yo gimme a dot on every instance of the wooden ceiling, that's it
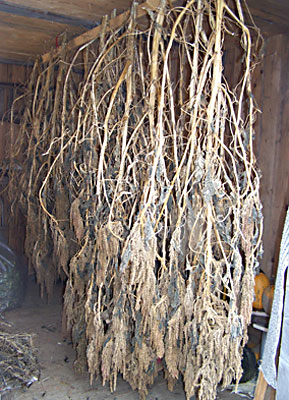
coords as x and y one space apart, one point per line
32 27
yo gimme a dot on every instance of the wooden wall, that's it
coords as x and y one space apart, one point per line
271 88
271 91
12 80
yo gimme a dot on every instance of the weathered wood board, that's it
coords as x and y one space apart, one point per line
272 145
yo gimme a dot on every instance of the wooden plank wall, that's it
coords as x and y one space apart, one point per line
271 91
271 81
11 76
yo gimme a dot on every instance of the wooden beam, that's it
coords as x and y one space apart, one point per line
114 23
29 12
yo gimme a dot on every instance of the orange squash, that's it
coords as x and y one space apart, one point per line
267 298
261 283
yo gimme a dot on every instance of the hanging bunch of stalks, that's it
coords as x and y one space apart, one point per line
138 180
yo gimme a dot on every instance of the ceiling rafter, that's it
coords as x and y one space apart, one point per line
29 12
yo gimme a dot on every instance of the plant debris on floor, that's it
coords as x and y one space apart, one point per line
18 362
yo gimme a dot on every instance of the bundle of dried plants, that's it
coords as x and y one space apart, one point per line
140 187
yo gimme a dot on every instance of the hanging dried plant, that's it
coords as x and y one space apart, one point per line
139 184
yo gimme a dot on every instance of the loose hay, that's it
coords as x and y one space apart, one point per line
140 187
18 362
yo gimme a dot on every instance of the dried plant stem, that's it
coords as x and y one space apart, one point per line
140 188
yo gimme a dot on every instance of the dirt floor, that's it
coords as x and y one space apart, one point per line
58 379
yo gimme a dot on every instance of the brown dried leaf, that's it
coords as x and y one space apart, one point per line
76 219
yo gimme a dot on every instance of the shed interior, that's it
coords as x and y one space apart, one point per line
29 30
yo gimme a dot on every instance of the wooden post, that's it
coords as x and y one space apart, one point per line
261 387
263 390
